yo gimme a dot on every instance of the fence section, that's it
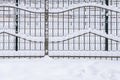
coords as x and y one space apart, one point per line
75 26
84 27
29 24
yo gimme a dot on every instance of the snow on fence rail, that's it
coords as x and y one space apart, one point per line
23 36
25 8
64 38
75 6
82 32
21 53
84 53
64 9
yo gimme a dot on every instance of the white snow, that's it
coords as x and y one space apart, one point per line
66 37
59 69
21 7
22 53
82 32
23 36
84 53
75 6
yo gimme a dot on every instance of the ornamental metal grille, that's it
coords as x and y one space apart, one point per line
60 27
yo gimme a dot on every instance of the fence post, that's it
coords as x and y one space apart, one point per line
16 26
46 26
106 25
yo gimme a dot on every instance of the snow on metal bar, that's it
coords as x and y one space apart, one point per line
25 8
84 53
82 32
74 6
22 53
23 36
59 39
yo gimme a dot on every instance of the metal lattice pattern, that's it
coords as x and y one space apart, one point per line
35 19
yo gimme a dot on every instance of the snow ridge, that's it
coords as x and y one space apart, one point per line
64 38
82 32
23 36
85 53
21 7
74 6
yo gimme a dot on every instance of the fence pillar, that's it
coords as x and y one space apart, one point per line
16 26
46 26
106 25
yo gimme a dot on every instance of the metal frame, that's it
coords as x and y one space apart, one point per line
57 25
16 12
46 26
106 25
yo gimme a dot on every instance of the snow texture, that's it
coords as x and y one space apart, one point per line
21 7
74 6
82 32
84 53
59 69
22 53
23 36
69 36
58 39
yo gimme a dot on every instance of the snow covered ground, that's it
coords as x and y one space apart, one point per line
59 69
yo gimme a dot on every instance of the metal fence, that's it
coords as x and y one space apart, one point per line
60 26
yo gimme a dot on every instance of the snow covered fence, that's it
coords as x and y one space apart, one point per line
73 28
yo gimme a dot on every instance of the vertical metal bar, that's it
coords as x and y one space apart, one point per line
35 30
46 26
116 29
63 24
111 29
73 20
89 26
95 27
16 26
79 23
3 27
100 25
30 18
19 18
79 19
9 27
24 29
58 30
68 30
69 16
106 25
84 23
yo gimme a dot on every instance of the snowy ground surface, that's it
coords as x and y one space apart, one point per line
59 69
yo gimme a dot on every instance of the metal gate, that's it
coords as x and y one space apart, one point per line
22 28
84 28
60 27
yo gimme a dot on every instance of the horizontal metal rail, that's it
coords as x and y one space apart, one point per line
62 57
72 7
